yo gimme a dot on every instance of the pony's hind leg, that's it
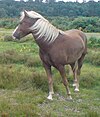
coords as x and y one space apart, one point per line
74 67
50 81
80 63
61 69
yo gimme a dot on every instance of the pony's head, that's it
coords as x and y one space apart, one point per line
27 20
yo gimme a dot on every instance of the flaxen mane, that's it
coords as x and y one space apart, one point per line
43 27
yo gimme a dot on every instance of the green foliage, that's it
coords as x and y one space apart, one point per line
88 80
94 42
93 57
10 77
8 38
24 85
87 24
92 114
11 56
70 9
8 23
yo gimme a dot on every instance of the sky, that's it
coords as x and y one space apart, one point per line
69 0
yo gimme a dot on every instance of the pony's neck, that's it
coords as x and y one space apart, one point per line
45 32
41 43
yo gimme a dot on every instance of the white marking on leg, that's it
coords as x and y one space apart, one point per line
74 84
76 89
50 96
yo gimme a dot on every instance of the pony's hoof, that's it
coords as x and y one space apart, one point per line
49 97
76 90
69 98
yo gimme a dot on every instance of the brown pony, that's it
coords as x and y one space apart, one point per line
57 48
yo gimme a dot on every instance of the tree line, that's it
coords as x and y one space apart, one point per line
12 8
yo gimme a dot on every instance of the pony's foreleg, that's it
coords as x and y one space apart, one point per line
64 79
50 81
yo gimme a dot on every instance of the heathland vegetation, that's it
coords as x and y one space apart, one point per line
64 15
11 8
23 82
24 86
86 24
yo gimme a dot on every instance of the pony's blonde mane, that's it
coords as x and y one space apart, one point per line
43 28
31 14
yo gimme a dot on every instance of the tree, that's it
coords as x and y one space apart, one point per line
38 1
2 13
50 1
30 0
8 0
21 0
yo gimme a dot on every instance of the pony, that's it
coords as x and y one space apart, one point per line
57 48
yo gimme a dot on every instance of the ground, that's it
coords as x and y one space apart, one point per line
24 87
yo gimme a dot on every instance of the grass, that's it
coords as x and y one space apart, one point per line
89 35
24 87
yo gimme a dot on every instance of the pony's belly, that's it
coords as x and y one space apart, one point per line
64 60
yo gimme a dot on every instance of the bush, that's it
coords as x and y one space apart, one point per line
8 38
33 62
87 24
88 80
93 57
24 39
8 23
11 56
40 81
94 42
11 77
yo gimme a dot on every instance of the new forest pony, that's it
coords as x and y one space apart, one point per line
56 48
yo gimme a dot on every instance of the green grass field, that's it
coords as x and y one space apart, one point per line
24 87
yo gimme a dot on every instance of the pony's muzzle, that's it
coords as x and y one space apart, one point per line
14 37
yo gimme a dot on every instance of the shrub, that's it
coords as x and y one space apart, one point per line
8 38
33 62
94 42
88 80
8 23
93 57
25 39
40 81
11 77
11 56
87 24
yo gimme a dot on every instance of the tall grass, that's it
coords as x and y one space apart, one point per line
24 84
94 42
93 57
92 114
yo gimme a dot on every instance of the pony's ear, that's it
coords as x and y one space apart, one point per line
25 12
